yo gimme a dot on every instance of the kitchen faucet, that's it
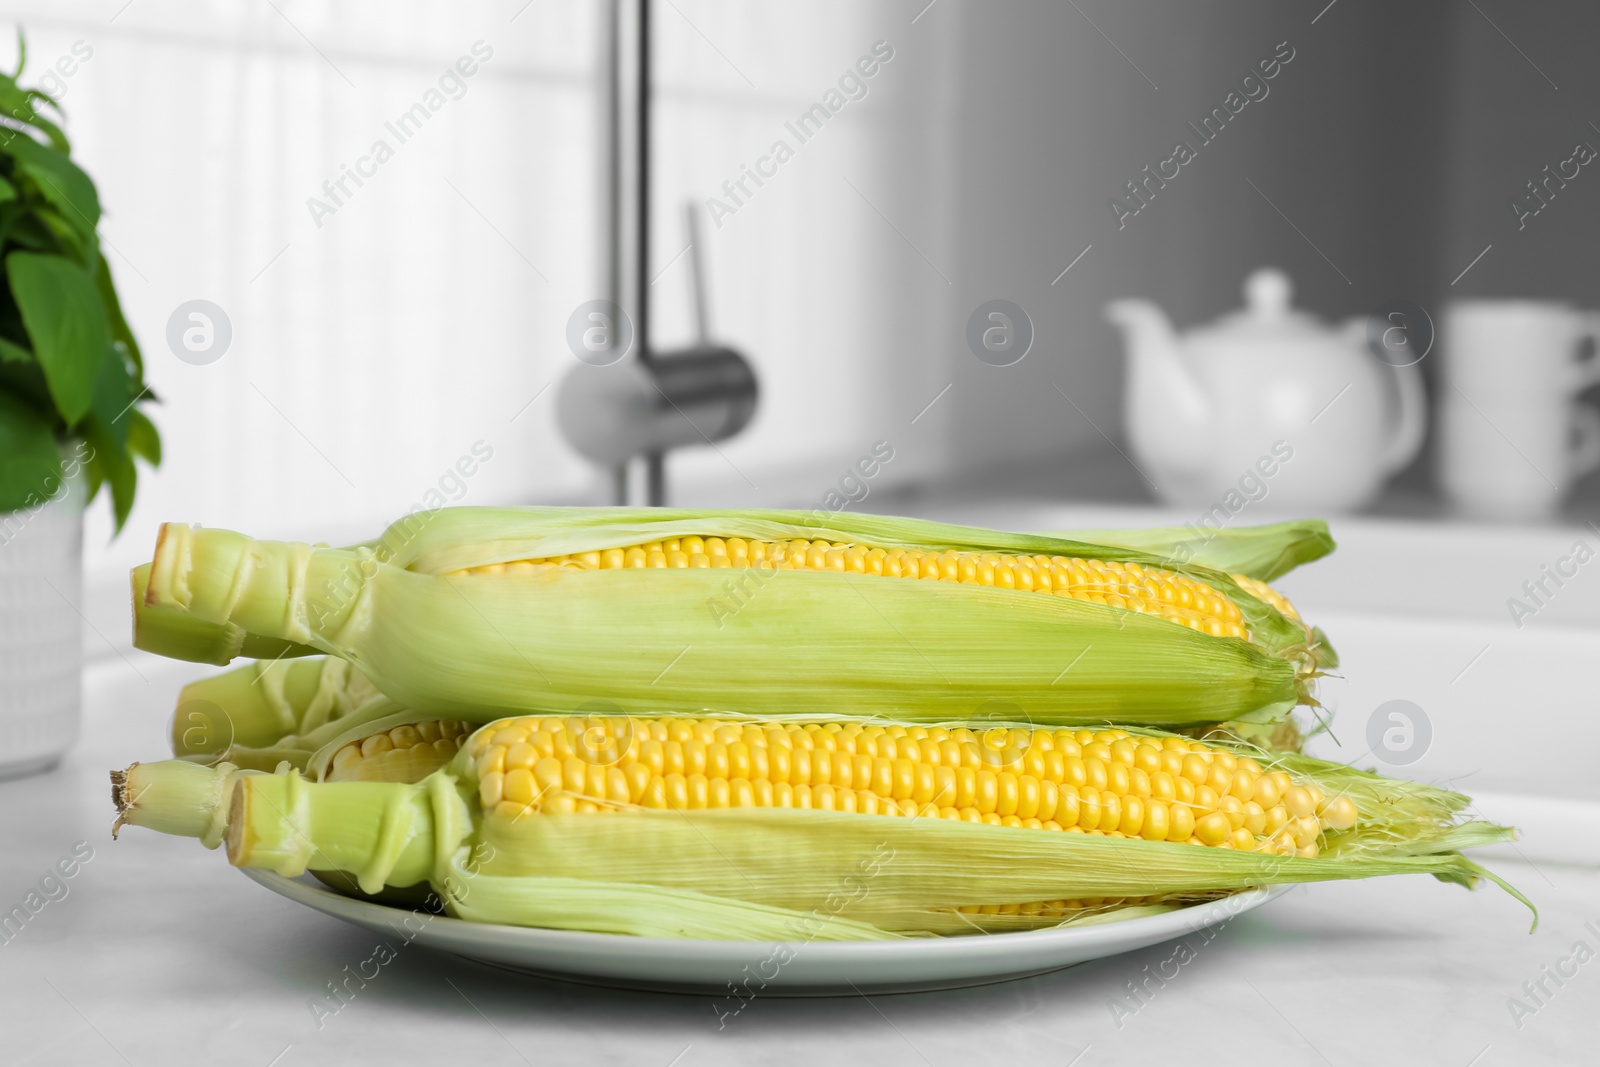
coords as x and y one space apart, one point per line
625 402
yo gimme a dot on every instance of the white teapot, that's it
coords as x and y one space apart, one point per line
1265 405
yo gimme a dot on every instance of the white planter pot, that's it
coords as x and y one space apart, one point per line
41 640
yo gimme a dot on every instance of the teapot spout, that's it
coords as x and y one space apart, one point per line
1160 382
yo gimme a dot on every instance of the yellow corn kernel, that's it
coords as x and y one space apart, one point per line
1129 587
407 753
686 764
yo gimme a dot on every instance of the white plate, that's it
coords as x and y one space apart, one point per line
817 968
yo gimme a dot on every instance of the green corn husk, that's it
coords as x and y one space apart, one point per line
177 634
310 752
300 712
294 714
742 873
263 703
1265 553
653 641
1261 552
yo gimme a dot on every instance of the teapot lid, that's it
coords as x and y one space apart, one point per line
1267 314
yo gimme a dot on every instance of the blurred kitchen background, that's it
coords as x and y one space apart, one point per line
420 317
361 242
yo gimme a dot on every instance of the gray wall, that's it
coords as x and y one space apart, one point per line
1507 122
1393 140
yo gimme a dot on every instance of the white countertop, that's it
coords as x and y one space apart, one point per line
161 954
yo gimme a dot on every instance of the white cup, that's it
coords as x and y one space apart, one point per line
1512 436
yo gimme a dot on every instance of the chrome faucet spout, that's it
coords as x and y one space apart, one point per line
636 410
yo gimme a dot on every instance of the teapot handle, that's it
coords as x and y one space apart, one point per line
1586 456
1587 372
1412 424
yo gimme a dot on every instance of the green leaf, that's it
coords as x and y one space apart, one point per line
112 464
18 104
94 477
59 180
144 440
8 192
25 382
11 213
28 231
115 391
11 352
119 325
30 468
18 101
66 323
84 249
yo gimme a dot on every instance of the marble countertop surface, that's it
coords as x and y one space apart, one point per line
156 952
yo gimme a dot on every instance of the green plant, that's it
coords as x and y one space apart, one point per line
70 370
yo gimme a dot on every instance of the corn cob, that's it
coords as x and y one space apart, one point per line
406 753
1151 591
614 837
1261 553
425 614
412 751
1099 782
